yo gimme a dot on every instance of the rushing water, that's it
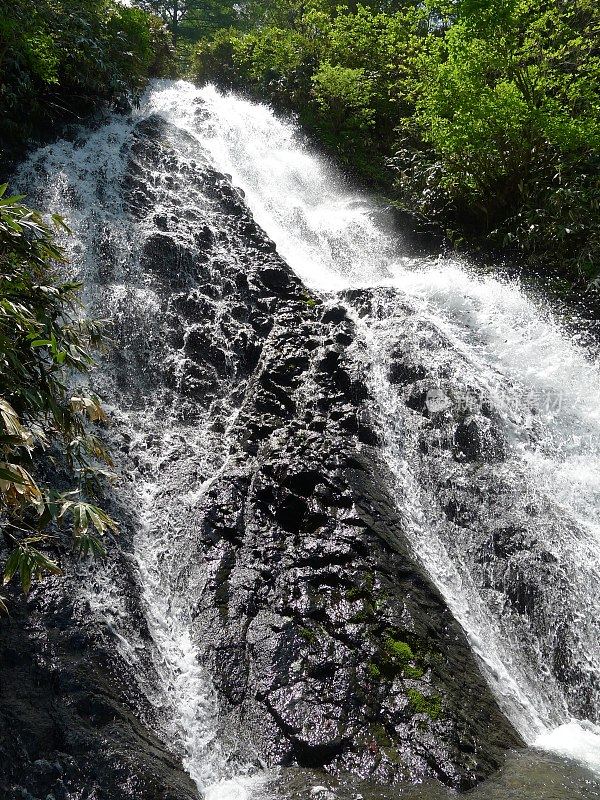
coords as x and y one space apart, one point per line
490 339
483 345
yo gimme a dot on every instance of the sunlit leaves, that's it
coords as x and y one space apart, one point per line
42 340
90 524
18 489
509 102
62 60
344 94
29 563
15 432
91 406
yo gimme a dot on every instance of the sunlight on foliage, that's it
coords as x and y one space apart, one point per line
483 116
44 430
62 60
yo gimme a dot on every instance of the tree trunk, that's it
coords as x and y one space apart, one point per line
175 26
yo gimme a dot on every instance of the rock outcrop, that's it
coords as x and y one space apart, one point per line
327 644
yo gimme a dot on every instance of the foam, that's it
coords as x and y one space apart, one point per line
577 739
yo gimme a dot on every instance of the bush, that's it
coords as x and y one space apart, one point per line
61 61
43 426
508 103
344 96
482 115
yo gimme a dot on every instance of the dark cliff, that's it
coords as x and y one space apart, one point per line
328 645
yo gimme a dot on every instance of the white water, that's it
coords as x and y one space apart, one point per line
545 387
83 182
483 336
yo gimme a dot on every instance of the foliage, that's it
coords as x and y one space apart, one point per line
192 19
343 95
43 427
509 101
61 60
482 115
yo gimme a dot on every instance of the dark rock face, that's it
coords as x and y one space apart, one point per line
71 720
328 645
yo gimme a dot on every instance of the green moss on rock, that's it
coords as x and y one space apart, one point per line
399 650
400 655
308 634
355 593
432 706
373 670
382 738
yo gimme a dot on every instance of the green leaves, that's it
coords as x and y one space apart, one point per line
344 95
29 563
41 341
63 60
508 103
85 517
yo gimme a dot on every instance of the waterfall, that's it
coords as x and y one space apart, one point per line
164 442
508 534
483 338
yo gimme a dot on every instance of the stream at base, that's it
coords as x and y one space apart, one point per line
527 775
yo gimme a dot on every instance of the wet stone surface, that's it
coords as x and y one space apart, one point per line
328 646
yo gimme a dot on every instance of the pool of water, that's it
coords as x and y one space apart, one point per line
527 775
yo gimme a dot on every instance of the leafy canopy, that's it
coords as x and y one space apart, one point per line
484 114
60 60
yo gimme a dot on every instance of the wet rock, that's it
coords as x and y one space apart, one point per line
68 717
479 440
328 645
466 436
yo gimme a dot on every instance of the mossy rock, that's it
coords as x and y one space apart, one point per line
309 635
373 670
432 706
366 614
381 736
356 593
397 658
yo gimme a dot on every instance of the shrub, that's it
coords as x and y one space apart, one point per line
343 95
43 426
61 61
508 104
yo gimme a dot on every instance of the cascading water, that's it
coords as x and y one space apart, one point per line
484 342
509 533
170 449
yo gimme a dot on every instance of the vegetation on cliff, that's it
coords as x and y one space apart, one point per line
484 116
51 464
59 61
